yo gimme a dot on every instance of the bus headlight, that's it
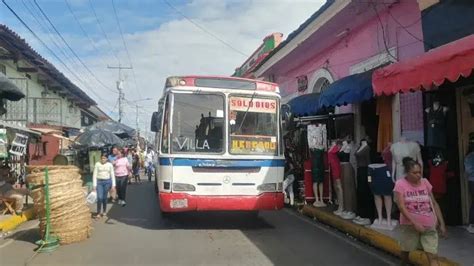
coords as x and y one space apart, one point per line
268 187
183 187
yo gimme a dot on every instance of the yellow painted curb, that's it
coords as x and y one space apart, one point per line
15 220
369 236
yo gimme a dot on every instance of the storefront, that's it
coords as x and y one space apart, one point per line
444 78
324 136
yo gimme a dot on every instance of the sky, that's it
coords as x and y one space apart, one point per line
163 38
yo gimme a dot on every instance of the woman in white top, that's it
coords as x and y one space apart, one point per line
103 180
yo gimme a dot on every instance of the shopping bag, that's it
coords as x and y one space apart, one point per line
92 197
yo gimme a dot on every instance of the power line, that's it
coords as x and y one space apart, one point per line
205 30
70 49
49 49
126 48
409 32
45 29
84 32
383 33
103 32
37 16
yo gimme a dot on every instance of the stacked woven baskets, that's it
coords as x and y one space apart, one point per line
70 216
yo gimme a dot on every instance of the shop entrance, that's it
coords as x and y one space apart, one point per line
445 110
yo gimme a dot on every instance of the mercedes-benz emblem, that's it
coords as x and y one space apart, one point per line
226 179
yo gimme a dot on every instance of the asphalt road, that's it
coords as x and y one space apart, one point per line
137 235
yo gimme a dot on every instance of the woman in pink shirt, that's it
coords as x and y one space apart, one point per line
122 169
420 213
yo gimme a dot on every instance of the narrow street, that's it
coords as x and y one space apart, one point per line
137 235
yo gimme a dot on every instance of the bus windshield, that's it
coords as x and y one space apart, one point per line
198 123
253 125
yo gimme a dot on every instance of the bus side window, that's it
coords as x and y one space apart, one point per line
165 133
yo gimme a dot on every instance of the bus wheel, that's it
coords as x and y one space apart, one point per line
156 186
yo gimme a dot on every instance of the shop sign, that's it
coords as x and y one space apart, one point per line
253 144
302 83
253 105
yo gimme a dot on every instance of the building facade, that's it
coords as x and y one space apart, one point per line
51 98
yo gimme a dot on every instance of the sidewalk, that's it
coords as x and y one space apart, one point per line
455 250
10 222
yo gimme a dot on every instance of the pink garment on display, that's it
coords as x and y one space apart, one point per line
417 202
334 163
438 177
308 181
121 167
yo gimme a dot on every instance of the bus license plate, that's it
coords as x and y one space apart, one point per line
179 203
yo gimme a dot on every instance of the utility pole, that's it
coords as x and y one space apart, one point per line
137 121
121 97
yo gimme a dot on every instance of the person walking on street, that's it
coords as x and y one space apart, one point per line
149 163
122 173
128 154
113 156
136 166
103 180
420 213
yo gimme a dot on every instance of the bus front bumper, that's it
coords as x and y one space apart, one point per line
181 202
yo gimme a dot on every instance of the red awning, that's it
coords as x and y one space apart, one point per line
447 62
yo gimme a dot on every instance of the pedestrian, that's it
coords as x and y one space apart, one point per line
113 155
103 181
136 166
122 173
149 163
420 213
128 154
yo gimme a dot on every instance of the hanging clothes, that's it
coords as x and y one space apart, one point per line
334 163
317 137
436 131
385 129
308 181
317 165
438 177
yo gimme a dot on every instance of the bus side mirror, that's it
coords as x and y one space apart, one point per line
155 122
286 116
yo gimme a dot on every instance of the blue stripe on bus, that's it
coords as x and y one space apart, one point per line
231 163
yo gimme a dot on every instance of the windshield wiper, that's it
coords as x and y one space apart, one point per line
245 115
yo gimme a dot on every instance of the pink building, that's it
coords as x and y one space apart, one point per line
349 37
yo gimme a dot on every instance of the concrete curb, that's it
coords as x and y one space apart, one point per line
369 236
15 220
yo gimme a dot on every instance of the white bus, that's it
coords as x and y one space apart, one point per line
219 145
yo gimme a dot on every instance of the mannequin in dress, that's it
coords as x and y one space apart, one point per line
401 149
317 143
345 151
382 185
288 184
365 200
335 171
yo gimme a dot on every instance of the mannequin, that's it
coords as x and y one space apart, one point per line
317 144
382 185
401 149
335 171
436 130
345 151
364 199
288 185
